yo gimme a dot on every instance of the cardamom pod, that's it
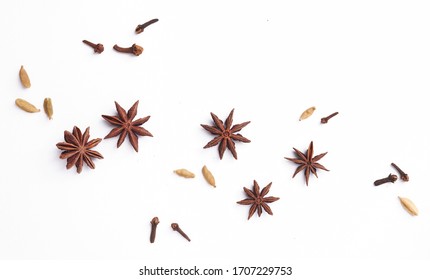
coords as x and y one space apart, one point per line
307 113
184 173
208 176
23 76
26 106
47 106
409 206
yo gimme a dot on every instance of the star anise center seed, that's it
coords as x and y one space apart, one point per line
259 200
226 134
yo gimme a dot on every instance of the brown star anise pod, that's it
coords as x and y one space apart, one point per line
77 149
307 162
226 134
257 200
126 125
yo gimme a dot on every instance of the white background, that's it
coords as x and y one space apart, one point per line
270 60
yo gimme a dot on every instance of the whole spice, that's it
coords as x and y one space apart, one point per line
409 206
208 176
154 223
47 107
77 149
225 134
126 126
257 200
403 175
325 120
307 113
134 49
98 48
23 76
26 106
184 173
176 227
307 162
140 28
391 178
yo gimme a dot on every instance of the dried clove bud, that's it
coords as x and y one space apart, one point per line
134 49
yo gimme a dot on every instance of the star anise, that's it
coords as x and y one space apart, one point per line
257 199
77 149
126 125
225 134
307 162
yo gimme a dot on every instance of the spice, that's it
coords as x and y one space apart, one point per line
307 162
225 134
47 107
257 200
391 178
176 227
403 175
126 125
409 206
184 173
154 222
307 113
23 76
139 29
77 149
26 106
134 49
98 48
325 120
208 176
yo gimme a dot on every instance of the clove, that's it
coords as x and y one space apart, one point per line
325 120
391 178
139 29
176 227
154 222
134 49
403 175
98 48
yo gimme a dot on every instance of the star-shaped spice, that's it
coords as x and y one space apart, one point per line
225 134
77 149
126 125
257 200
307 162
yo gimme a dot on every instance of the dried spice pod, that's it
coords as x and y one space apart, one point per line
307 113
208 176
26 106
184 173
257 200
23 76
409 206
78 149
47 107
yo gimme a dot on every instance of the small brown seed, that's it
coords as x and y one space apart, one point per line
23 76
208 176
184 173
47 106
409 206
307 113
26 106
